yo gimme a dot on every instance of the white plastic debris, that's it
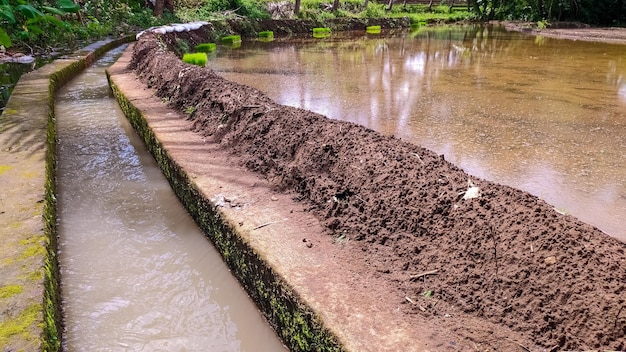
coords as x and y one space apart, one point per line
472 191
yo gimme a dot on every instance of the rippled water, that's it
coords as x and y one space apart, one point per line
137 273
544 115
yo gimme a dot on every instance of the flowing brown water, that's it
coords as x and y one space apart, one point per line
137 273
544 115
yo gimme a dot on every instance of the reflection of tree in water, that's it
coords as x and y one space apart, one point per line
10 74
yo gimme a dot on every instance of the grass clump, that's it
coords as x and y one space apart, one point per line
206 47
199 59
231 39
373 29
266 36
321 32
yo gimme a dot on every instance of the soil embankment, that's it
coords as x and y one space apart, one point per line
571 31
494 266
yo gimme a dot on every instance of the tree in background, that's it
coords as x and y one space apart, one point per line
160 5
597 12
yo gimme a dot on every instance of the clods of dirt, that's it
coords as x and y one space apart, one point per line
494 265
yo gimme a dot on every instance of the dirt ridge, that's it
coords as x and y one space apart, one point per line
505 258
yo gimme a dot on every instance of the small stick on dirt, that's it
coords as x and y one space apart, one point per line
420 159
266 224
409 300
517 343
425 273
617 316
495 255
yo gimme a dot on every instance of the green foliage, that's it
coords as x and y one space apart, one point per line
181 47
601 12
374 10
543 24
266 34
5 40
23 21
217 9
433 17
199 59
251 9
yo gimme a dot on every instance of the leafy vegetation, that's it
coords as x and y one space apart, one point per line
601 12
605 12
41 25
27 21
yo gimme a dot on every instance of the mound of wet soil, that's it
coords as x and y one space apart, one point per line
502 270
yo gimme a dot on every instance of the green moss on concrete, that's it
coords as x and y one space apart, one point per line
5 168
32 251
20 325
297 325
10 291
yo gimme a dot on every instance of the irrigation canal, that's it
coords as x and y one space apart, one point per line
137 273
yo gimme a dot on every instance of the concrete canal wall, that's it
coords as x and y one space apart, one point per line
299 278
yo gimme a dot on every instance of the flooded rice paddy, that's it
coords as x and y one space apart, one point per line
137 273
544 115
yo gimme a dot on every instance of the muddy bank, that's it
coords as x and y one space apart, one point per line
570 30
503 270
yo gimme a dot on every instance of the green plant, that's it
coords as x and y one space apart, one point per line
543 24
373 30
374 10
27 22
199 59
321 32
190 110
182 46
266 36
231 39
206 47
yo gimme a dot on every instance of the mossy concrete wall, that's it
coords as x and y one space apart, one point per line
30 299
298 326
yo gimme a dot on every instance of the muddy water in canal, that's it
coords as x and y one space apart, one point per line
137 273
544 115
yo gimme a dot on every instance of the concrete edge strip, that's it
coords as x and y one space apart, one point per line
51 326
295 322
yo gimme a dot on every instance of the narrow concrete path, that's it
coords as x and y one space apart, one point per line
23 130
